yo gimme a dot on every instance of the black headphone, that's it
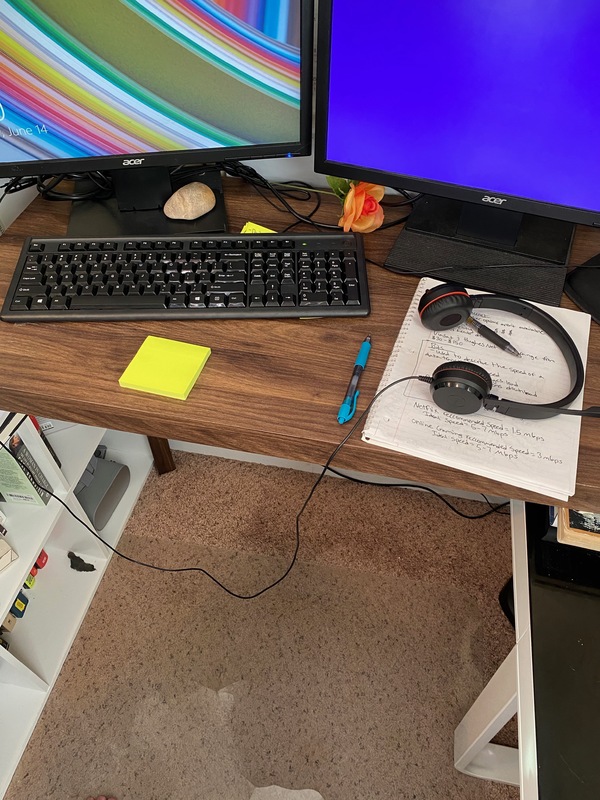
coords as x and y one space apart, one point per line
463 388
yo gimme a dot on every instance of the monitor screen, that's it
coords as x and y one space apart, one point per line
86 83
138 89
487 101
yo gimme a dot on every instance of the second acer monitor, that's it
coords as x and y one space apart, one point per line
487 108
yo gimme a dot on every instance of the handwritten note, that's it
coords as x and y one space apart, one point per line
540 455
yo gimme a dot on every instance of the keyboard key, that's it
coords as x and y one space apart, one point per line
117 301
313 298
19 303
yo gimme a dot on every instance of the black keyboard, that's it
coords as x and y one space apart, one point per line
191 277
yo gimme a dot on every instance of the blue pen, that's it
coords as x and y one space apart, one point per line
348 406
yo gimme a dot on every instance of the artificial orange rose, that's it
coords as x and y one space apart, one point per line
362 212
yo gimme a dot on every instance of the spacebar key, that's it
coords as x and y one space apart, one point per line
141 301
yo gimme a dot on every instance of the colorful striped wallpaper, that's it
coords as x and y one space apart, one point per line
109 77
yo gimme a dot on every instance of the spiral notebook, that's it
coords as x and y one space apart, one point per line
538 455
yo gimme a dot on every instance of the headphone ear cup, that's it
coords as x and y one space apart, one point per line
445 306
460 387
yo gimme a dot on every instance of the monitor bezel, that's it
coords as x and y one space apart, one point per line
201 156
326 166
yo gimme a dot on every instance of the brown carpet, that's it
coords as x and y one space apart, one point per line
347 679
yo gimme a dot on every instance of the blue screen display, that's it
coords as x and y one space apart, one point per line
496 95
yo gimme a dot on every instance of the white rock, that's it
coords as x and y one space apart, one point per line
190 202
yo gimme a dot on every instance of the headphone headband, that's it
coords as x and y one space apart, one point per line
558 335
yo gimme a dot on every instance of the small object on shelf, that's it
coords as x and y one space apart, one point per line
579 528
9 623
78 564
7 554
29 582
100 489
41 560
20 605
4 643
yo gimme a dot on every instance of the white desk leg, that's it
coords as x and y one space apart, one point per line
496 705
510 691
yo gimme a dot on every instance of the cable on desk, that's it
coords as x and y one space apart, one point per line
255 179
15 185
98 185
262 185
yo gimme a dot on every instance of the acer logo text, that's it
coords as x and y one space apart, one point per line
130 162
497 201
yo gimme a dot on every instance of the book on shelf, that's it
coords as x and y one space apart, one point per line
21 478
44 438
539 455
5 418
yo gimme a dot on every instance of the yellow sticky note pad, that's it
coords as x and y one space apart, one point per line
164 366
252 227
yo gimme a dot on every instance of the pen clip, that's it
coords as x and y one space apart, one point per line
347 410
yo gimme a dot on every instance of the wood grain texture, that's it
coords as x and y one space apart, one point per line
270 387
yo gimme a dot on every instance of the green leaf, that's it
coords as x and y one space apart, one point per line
340 186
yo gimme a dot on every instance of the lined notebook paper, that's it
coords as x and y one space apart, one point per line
539 455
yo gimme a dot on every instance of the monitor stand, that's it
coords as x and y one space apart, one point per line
136 207
485 248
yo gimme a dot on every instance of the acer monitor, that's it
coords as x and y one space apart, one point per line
137 88
487 107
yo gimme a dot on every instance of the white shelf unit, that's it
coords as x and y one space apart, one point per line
60 597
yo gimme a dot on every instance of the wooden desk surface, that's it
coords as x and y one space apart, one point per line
270 387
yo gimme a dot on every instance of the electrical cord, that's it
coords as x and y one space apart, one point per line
261 185
326 467
155 566
99 185
492 509
16 185
292 192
